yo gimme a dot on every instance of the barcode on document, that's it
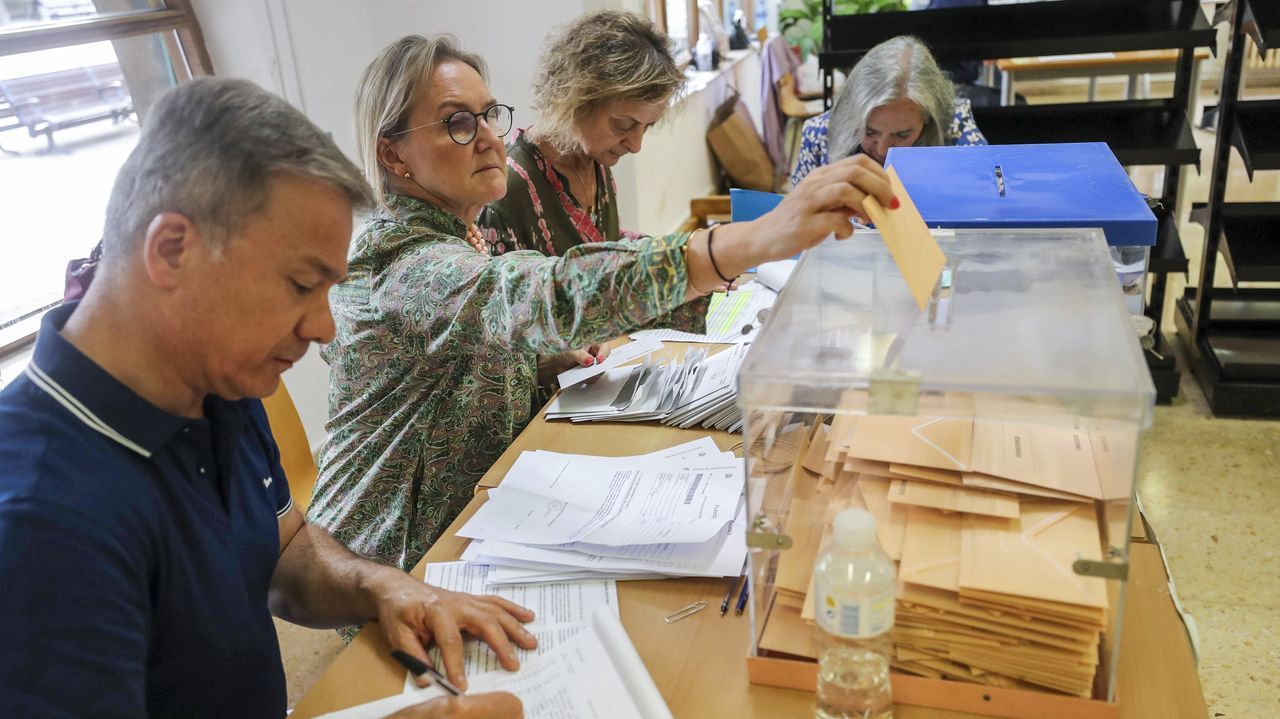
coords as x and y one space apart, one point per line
693 489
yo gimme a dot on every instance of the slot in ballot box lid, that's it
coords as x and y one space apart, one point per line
1077 184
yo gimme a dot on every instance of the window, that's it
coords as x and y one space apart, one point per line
76 79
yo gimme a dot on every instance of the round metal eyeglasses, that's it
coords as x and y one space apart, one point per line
464 124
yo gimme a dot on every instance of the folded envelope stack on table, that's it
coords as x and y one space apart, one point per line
699 388
985 519
677 512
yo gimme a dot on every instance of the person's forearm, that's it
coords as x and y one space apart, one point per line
319 583
733 251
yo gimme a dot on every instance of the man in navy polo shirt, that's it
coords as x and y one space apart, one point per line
146 530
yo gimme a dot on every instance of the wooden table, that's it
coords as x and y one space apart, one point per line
699 664
1136 65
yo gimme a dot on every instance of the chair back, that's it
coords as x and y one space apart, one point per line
295 451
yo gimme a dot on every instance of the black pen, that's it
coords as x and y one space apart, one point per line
742 598
417 668
728 596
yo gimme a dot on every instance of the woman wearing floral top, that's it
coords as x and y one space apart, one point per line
435 352
602 81
895 97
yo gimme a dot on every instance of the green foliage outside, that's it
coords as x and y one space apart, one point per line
800 21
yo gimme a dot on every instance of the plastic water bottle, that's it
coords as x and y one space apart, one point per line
855 583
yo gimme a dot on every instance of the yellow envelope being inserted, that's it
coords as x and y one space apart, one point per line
904 232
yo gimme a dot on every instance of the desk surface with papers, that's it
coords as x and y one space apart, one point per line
699 664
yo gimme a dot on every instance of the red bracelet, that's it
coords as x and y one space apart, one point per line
710 255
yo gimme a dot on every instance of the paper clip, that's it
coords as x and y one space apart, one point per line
681 614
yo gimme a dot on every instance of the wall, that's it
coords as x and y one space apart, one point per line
312 53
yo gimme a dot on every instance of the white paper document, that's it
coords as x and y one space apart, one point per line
626 353
560 610
720 556
596 675
647 503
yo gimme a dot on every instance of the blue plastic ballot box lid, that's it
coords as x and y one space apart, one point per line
1079 184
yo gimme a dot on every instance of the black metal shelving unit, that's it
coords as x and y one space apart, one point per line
1139 132
1232 335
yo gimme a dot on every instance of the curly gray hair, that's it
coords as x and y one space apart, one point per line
602 57
896 68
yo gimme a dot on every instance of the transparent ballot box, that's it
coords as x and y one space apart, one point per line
994 437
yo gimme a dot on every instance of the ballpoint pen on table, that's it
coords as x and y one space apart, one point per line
732 589
742 598
417 668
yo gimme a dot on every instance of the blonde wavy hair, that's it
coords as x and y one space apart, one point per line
600 58
390 87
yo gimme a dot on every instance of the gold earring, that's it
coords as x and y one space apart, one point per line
408 175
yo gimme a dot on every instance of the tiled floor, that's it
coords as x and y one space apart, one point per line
1211 489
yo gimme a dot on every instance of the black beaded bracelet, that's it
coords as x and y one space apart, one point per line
711 255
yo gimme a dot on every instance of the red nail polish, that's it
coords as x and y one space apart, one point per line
894 205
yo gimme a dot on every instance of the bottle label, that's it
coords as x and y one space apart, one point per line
858 619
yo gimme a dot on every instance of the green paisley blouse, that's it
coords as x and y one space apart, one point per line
435 360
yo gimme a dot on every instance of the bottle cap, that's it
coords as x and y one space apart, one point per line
855 529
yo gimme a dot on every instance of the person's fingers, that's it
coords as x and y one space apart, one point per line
515 630
601 352
494 705
404 638
449 639
581 357
838 196
522 613
864 174
483 623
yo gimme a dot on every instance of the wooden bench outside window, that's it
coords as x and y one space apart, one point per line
53 101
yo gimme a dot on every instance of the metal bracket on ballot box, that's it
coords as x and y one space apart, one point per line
1101 569
762 536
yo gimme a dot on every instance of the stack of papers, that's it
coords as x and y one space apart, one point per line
562 517
596 675
696 389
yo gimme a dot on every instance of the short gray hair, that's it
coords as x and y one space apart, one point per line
605 56
390 87
896 68
209 150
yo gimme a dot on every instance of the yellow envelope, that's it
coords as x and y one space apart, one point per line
1032 556
953 499
931 549
904 232
940 443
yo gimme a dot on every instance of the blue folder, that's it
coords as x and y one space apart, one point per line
747 205
1053 185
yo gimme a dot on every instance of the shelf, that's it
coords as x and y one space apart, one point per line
1256 134
1262 23
1139 132
1240 309
1026 29
1250 239
1167 256
1238 369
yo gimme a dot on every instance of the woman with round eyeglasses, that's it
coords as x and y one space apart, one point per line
603 80
435 356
